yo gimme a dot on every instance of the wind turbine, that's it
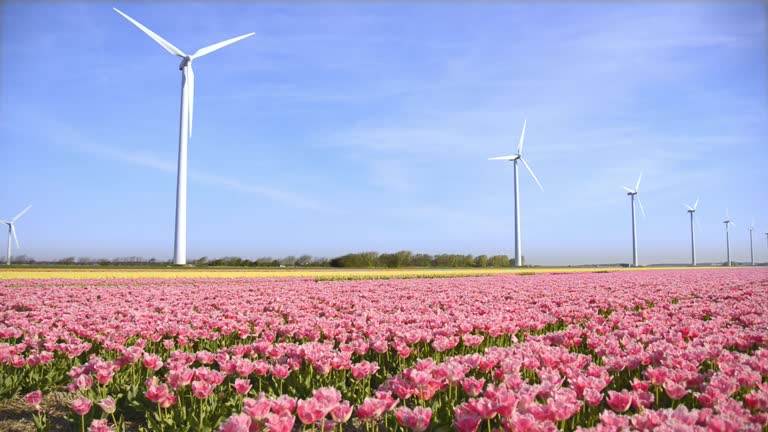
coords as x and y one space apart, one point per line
691 211
633 195
727 222
12 232
515 158
751 250
185 128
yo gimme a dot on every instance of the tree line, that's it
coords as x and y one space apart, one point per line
352 260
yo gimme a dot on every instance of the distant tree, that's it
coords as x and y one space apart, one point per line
264 261
290 260
84 261
370 259
421 260
387 260
66 261
304 260
320 262
22 259
403 258
201 261
103 262
481 261
499 261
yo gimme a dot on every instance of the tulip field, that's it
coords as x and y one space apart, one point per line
604 351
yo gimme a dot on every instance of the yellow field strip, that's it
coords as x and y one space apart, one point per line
319 274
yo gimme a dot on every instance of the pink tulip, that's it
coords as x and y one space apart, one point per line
465 420
342 412
280 423
283 404
81 405
34 398
107 405
257 408
619 402
152 361
310 410
236 423
100 426
472 386
372 408
674 390
242 386
416 420
201 389
328 397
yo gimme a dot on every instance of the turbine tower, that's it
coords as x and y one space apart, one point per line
691 211
727 222
751 250
633 195
514 159
185 128
12 232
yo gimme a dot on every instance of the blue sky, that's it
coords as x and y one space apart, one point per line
343 127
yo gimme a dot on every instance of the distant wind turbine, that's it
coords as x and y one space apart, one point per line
12 232
185 128
728 222
751 250
515 158
633 194
691 211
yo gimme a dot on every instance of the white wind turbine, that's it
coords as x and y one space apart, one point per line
727 222
633 194
691 211
12 232
751 250
515 158
185 128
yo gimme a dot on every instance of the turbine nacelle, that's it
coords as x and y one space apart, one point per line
185 61
633 192
507 158
12 230
519 156
692 209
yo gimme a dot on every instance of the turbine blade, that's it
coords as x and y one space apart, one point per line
522 137
641 205
637 186
21 214
162 42
628 189
209 49
688 207
532 174
510 157
696 204
13 231
190 95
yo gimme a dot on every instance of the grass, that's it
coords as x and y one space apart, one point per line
319 274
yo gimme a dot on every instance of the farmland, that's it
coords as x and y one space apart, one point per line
608 351
312 273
